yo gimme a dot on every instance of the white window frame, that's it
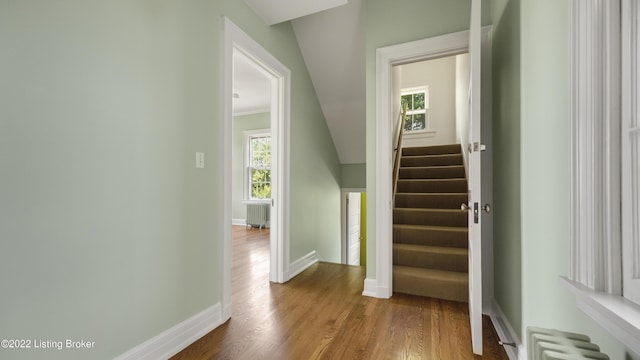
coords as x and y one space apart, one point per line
595 272
630 131
425 111
248 136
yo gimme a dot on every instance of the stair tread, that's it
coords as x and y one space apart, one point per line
432 194
432 155
444 250
431 160
432 227
432 185
453 211
431 167
434 180
452 276
450 149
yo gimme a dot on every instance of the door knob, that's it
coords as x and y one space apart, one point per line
486 208
464 207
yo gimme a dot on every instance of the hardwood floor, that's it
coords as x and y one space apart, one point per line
321 314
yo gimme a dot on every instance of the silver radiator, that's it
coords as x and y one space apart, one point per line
549 344
258 215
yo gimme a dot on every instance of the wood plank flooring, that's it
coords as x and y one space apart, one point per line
321 314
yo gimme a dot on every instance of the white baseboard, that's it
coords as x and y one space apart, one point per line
301 264
178 337
226 312
372 289
506 333
522 352
242 222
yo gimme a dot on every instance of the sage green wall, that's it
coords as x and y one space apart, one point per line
506 159
240 125
544 179
530 82
530 138
394 22
109 232
354 176
315 168
106 235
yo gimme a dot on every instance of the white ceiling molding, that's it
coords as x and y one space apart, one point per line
276 11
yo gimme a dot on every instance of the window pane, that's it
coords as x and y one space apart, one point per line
260 183
261 191
418 101
408 123
419 122
406 99
258 175
255 191
261 151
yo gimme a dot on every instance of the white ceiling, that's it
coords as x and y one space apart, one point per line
277 11
251 87
332 44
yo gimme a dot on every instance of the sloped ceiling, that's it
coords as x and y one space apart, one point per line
333 46
277 11
332 41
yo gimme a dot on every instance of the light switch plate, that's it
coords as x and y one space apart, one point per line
199 160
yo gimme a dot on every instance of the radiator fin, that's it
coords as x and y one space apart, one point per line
550 344
258 215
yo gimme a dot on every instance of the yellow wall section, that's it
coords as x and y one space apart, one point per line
363 229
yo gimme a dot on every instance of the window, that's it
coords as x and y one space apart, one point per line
258 160
604 165
630 152
595 144
417 101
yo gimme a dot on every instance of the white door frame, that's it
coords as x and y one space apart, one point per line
386 58
235 40
344 230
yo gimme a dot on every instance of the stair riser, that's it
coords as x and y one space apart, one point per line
432 150
430 237
430 201
430 260
432 186
444 172
435 218
441 160
436 288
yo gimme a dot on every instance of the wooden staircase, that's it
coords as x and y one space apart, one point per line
430 234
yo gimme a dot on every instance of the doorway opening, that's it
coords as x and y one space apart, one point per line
251 149
354 227
381 284
244 54
436 47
